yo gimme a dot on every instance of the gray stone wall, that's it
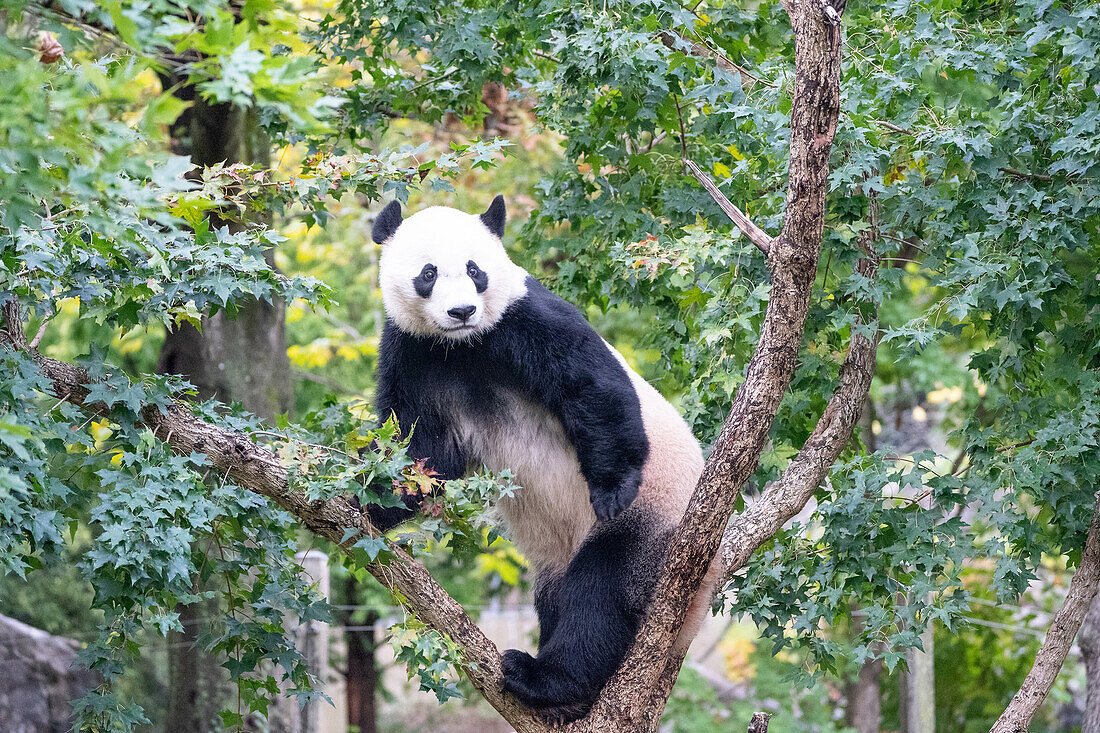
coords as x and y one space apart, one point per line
37 679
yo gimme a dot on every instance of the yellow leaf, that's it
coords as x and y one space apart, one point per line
721 170
100 430
348 353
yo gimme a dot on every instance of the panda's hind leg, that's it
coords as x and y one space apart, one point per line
589 616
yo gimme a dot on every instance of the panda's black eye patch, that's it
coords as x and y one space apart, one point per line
480 278
425 281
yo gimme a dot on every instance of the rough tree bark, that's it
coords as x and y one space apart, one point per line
1052 653
1088 640
637 693
635 697
235 358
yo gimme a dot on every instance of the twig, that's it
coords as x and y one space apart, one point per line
755 234
671 39
1052 653
683 134
759 723
544 55
41 332
894 128
1024 174
289 439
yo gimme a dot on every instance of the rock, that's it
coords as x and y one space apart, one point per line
37 679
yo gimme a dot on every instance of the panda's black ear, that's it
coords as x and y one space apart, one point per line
387 222
494 216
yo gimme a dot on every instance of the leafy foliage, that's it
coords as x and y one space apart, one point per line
966 157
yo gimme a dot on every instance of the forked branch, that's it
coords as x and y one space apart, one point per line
635 695
787 496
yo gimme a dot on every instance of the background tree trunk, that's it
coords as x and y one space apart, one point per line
918 688
362 671
240 357
864 712
1088 640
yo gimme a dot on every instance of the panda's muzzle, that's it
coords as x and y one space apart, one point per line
462 312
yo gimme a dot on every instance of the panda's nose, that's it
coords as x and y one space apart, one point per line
462 312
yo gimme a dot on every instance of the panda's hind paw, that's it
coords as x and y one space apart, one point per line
515 670
610 504
522 679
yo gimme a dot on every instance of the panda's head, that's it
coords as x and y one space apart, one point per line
444 273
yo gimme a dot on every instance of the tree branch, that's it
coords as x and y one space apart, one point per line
755 234
1052 654
679 42
635 695
1015 173
259 470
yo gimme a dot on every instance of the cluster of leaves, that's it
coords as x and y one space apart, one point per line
863 546
429 656
152 513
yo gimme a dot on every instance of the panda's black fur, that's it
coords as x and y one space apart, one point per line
543 349
541 355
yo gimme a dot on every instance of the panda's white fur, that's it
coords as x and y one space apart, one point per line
551 518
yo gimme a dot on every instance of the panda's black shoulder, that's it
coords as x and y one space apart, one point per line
541 314
549 341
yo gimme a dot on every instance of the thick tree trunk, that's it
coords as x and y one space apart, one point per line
920 687
239 357
236 358
198 686
864 711
1088 640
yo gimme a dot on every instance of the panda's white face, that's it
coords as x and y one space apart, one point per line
444 274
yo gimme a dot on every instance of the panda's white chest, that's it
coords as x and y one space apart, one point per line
550 515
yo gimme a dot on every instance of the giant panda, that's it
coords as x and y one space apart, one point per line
483 367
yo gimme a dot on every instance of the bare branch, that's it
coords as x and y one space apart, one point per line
755 234
635 695
1052 654
1024 174
41 332
259 470
894 128
678 41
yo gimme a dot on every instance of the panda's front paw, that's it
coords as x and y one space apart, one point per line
610 503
